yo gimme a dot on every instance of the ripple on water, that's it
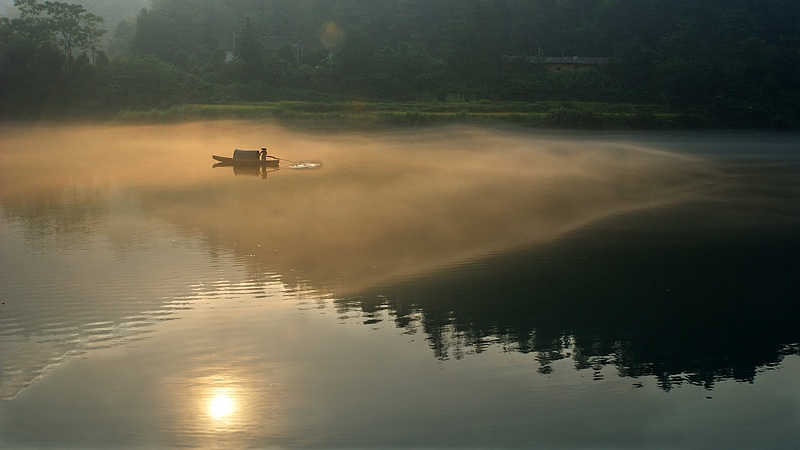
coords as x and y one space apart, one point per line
306 165
109 301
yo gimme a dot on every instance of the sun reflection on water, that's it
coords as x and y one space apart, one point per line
221 406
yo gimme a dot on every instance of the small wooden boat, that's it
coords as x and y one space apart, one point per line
247 158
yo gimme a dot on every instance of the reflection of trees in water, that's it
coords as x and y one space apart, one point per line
76 301
73 211
685 309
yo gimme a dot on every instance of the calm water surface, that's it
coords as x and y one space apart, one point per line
441 288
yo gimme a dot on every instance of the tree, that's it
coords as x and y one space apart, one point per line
248 50
38 67
152 36
102 59
65 20
684 74
121 40
196 26
181 60
473 43
313 58
73 27
631 71
30 68
287 53
31 25
407 72
355 55
91 33
140 83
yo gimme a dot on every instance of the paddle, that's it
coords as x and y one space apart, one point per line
283 159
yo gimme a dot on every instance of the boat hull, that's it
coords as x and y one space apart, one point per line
271 162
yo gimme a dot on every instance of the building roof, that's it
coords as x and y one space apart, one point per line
579 60
594 60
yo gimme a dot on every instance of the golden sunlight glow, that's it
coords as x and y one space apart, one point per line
220 406
331 36
359 221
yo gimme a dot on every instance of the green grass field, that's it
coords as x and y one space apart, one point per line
376 114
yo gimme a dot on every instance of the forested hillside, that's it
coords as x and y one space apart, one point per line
722 63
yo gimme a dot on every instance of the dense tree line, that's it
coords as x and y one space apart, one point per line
724 62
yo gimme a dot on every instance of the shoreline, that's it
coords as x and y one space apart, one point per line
370 115
566 115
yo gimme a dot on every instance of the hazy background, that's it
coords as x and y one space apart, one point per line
576 63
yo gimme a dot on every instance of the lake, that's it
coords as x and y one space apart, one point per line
439 287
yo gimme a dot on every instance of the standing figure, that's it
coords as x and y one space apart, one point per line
263 153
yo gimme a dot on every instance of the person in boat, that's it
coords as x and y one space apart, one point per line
263 153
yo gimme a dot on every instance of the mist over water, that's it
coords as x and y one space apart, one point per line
385 204
296 307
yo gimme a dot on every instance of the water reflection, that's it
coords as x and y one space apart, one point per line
254 171
74 211
647 303
600 253
221 405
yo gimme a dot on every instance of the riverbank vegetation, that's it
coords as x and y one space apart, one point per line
689 64
359 114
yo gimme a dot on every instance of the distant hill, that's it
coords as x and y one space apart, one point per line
112 11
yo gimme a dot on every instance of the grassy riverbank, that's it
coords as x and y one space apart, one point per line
586 115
